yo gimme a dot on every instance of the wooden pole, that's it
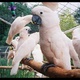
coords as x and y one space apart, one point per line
53 72
70 30
20 67
5 21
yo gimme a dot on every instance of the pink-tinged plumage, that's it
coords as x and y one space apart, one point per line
55 45
23 34
76 40
52 5
12 52
38 56
24 51
18 41
16 26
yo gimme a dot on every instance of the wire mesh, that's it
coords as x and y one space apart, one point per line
70 5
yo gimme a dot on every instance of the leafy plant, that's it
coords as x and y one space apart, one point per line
67 21
5 73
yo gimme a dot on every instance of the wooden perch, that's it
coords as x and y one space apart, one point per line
53 72
20 67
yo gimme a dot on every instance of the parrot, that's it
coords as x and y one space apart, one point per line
14 42
24 51
12 48
55 45
16 26
23 34
18 41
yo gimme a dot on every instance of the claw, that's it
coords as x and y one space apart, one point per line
45 67
28 59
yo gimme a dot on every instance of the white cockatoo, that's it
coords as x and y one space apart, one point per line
23 34
38 56
55 45
12 49
16 26
18 41
76 40
14 42
24 51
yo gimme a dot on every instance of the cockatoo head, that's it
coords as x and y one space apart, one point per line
14 42
25 31
44 16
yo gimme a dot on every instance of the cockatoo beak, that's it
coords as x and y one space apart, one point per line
29 31
36 19
32 22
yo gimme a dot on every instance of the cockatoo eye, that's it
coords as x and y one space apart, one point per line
41 12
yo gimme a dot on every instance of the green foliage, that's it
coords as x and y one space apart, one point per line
67 21
34 28
77 15
5 73
3 33
3 61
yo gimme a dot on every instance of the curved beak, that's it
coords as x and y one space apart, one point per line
36 19
29 31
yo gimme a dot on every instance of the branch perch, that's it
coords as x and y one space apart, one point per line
53 72
9 67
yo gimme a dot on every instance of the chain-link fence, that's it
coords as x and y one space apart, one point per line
70 5
73 8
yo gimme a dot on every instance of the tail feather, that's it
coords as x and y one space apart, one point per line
14 69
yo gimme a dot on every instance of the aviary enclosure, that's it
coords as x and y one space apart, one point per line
69 13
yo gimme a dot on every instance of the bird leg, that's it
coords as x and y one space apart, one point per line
45 67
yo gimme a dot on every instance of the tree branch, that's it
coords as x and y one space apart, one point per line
5 21
53 72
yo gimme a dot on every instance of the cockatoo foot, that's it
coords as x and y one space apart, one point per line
45 67
28 59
